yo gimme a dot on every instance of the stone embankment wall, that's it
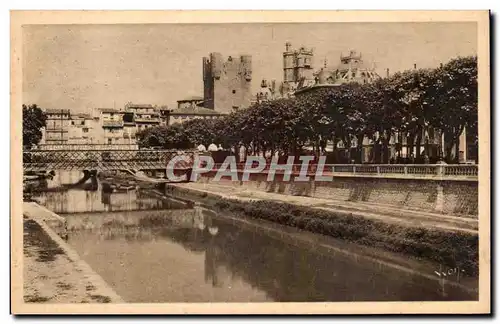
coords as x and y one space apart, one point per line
453 197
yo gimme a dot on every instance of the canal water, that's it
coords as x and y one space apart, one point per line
152 249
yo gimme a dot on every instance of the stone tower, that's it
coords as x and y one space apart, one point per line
227 84
297 66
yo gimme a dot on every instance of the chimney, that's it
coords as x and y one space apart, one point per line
415 66
387 72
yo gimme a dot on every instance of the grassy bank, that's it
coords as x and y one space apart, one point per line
448 248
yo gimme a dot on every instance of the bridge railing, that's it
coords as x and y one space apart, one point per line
86 147
100 159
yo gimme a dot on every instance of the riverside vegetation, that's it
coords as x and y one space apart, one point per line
452 249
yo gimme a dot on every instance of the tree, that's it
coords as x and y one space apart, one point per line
413 93
408 103
34 120
168 137
456 100
200 131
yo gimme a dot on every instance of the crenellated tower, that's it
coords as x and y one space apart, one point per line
227 83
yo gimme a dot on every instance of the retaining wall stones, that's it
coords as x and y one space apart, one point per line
453 197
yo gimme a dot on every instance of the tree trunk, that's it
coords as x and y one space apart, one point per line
318 148
236 153
359 149
418 143
347 151
409 145
334 149
385 150
247 148
457 150
448 146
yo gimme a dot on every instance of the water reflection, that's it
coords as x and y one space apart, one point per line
196 256
156 250
65 194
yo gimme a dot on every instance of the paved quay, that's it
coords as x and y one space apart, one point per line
369 210
53 271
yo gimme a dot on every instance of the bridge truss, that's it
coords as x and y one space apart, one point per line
101 160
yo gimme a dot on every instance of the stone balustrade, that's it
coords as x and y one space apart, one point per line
420 171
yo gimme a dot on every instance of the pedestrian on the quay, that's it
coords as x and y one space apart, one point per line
426 159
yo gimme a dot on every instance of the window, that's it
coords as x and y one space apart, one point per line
234 91
85 130
72 123
110 141
82 122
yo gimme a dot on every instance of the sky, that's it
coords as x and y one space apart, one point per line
81 67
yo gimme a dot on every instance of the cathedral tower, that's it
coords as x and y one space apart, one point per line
297 66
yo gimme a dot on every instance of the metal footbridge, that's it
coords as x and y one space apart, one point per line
102 160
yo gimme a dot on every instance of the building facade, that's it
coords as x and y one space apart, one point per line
105 126
164 116
227 83
144 116
111 122
191 102
266 92
351 68
57 126
82 129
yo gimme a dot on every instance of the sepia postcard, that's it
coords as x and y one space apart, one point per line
244 162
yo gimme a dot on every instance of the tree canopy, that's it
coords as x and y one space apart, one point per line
408 104
33 121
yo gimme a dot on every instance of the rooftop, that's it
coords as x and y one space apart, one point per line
314 87
195 111
132 105
109 110
57 111
192 98
82 115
